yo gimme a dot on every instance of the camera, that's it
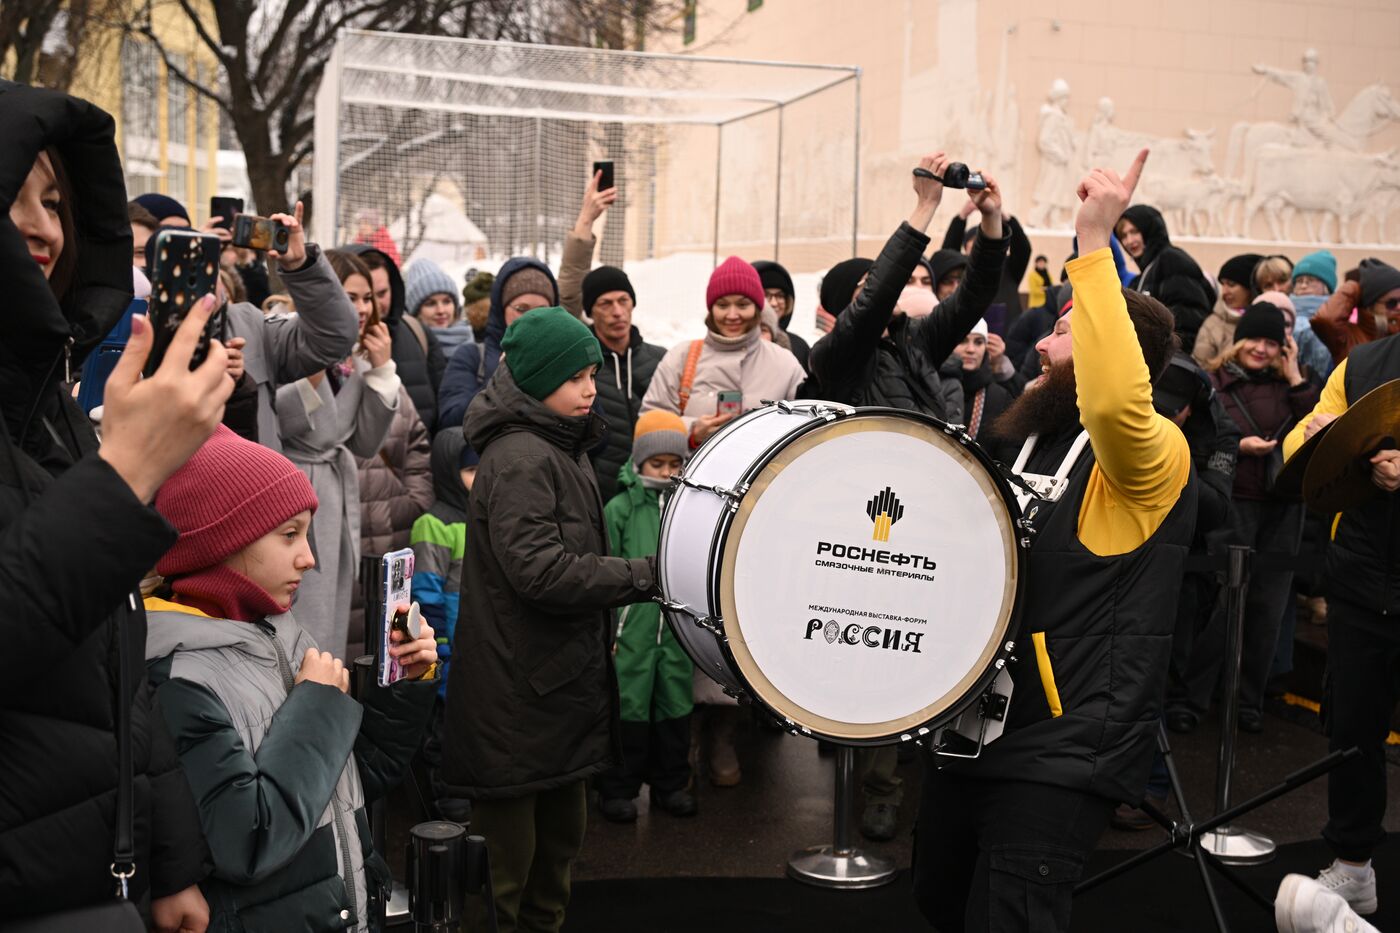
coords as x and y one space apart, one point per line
253 232
958 175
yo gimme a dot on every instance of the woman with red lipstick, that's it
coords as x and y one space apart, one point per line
1264 392
327 420
280 758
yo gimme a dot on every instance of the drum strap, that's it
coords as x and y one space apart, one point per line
692 359
1047 488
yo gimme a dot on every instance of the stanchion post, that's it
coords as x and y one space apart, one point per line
1234 845
841 864
437 870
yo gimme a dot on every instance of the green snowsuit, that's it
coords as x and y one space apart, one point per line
654 674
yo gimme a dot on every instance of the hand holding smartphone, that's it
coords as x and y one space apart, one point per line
400 612
185 269
731 402
607 180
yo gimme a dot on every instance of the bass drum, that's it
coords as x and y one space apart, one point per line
855 571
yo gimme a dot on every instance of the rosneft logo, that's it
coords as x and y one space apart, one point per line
884 510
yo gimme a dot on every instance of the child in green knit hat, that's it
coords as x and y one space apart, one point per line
532 707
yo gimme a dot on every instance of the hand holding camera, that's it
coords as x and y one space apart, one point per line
288 249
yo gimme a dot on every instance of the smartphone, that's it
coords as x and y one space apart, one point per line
731 402
226 208
400 612
184 270
607 181
996 318
253 232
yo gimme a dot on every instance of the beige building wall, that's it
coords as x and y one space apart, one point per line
167 133
972 77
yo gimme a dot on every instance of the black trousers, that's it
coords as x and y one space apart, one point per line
657 753
1363 685
1001 856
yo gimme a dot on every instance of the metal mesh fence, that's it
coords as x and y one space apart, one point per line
469 152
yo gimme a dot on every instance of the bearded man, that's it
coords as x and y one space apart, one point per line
1002 839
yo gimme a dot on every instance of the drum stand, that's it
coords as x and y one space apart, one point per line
1214 843
841 865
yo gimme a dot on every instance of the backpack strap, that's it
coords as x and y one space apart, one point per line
692 359
416 326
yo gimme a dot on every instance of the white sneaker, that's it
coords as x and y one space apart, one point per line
1306 905
1359 893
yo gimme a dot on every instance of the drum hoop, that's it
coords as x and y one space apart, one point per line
729 533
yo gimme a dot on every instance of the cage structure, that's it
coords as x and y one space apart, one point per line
470 151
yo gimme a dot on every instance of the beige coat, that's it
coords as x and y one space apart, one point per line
763 371
1217 334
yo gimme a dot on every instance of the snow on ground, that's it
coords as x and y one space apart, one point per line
671 295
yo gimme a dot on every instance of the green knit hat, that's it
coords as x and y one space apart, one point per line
546 346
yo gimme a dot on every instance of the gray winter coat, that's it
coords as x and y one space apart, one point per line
281 771
283 348
324 431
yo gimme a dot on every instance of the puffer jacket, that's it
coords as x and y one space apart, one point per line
282 770
872 357
471 367
396 487
1217 334
1177 281
420 364
532 695
1274 406
75 543
623 382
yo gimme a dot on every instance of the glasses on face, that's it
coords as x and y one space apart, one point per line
1392 304
521 307
776 296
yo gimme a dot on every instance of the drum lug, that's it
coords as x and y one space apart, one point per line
825 412
958 431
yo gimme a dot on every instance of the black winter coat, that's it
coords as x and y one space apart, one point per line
420 370
532 693
856 363
1274 407
1017 260
74 546
622 384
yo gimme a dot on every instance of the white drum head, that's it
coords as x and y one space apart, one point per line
869 578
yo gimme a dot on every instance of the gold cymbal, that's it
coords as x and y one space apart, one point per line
1338 475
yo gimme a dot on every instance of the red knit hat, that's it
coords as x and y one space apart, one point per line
228 495
734 277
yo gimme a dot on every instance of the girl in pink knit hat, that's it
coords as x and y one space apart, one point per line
280 758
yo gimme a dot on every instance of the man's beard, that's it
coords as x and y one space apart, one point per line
1048 408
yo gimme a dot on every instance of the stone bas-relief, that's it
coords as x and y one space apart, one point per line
1314 166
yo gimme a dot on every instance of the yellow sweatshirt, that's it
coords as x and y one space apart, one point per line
1332 402
1142 460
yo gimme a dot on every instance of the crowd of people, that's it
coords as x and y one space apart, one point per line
520 434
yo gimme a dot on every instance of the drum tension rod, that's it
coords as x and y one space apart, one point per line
707 622
824 412
732 496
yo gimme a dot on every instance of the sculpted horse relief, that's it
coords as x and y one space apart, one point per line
1339 185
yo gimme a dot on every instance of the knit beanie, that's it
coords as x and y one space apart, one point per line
225 497
734 277
839 284
944 261
980 327
1240 269
478 288
659 432
602 280
162 206
1321 265
528 281
1281 301
773 275
1263 320
547 346
1377 278
426 279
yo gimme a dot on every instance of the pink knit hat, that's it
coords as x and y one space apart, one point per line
734 277
228 495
